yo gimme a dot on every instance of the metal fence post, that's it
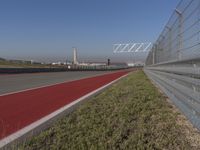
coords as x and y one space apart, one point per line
180 26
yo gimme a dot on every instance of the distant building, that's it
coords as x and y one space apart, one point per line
20 61
119 64
25 62
57 63
92 64
137 64
2 59
37 63
75 60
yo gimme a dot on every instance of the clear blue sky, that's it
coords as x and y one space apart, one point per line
48 29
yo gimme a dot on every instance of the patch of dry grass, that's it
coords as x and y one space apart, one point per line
132 114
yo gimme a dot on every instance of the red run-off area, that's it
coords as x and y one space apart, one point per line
21 109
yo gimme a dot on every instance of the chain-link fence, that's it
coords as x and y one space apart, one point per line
174 60
180 39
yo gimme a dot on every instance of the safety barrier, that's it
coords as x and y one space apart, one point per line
174 60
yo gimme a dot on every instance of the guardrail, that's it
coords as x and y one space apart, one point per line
183 88
174 61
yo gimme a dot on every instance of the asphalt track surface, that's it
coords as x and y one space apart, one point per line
20 109
18 82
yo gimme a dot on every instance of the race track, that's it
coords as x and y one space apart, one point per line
18 82
21 109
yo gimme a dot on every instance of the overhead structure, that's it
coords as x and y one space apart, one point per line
132 47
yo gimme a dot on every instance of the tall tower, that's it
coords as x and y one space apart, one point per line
75 61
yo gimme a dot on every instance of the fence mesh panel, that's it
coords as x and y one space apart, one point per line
180 38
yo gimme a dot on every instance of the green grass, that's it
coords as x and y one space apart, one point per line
131 114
